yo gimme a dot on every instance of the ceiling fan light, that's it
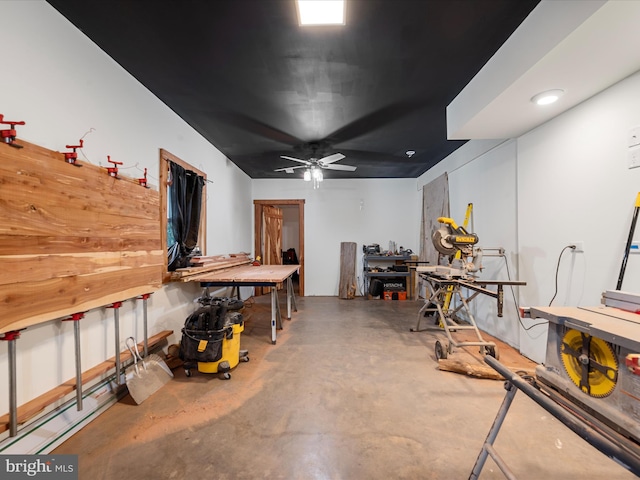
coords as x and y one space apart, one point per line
307 175
317 174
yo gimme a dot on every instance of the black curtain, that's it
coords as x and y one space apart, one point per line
185 199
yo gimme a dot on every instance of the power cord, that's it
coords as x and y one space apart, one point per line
572 247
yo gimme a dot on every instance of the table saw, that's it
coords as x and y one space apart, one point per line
592 359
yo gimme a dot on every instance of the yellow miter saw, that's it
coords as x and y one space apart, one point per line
453 240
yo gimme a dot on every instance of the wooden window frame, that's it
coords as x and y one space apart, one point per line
165 158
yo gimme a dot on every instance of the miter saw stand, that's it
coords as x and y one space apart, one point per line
451 282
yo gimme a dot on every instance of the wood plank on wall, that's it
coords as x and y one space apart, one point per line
72 238
26 304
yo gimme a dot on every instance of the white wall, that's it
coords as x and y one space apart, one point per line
563 182
361 211
290 228
62 86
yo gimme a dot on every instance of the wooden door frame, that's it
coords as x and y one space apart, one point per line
257 233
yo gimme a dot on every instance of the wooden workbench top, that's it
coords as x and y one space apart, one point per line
248 274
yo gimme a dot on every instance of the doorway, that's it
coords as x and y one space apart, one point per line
292 222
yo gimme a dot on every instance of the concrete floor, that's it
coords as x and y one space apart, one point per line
346 393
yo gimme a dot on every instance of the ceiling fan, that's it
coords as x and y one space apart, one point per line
327 162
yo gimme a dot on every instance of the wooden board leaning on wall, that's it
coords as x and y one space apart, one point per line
71 239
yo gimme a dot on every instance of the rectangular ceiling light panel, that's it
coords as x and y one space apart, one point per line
321 12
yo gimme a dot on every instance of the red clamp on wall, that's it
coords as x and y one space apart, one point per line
113 171
115 305
143 181
71 157
9 136
144 296
8 336
74 317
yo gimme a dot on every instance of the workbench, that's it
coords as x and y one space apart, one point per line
256 276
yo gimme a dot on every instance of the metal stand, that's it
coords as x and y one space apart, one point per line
448 319
116 317
441 290
144 299
11 337
291 298
76 317
574 421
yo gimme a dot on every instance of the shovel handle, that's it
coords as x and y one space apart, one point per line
131 344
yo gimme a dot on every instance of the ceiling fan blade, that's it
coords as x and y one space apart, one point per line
288 169
331 158
345 168
295 160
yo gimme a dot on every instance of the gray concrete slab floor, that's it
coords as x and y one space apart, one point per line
347 392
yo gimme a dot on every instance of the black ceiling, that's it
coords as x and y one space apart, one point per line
256 85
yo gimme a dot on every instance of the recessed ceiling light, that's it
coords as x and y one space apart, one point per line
545 98
321 12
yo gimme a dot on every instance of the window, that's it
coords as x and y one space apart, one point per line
178 178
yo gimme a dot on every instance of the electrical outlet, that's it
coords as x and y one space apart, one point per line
579 247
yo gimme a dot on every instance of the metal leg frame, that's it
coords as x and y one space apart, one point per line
447 317
275 317
276 314
291 298
622 456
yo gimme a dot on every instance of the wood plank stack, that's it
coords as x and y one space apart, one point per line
212 263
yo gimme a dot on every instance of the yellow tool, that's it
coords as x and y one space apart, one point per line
590 363
452 241
627 249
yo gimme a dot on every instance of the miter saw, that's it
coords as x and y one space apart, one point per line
453 241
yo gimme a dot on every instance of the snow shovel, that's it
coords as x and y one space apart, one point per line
146 376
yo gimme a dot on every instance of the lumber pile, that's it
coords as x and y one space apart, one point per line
211 263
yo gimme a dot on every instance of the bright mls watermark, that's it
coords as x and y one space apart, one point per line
51 467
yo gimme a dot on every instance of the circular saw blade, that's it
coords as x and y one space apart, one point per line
441 243
590 363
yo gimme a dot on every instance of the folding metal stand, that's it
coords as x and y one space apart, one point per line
598 438
448 319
